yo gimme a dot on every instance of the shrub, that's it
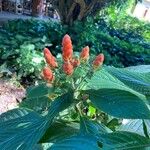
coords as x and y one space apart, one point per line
43 119
21 44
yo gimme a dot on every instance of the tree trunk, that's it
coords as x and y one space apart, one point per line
72 10
37 8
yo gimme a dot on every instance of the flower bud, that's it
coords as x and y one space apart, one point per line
67 49
66 39
50 59
68 68
47 52
48 74
75 62
98 60
85 53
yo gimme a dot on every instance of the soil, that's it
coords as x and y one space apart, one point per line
10 95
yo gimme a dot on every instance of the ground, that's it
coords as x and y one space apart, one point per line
10 95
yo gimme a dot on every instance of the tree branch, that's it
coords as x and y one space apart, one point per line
82 8
71 11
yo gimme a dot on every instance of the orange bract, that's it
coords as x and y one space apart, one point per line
85 53
67 49
75 62
66 39
47 51
98 60
68 68
48 74
50 59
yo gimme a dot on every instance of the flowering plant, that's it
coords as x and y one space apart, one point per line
69 68
75 83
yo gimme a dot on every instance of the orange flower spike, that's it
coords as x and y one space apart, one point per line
67 49
50 59
98 60
47 52
54 63
85 53
48 74
66 39
68 68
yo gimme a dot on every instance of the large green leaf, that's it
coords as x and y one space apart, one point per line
39 105
119 103
64 130
92 127
37 98
14 114
135 80
38 91
60 104
116 98
79 142
102 79
124 141
101 140
22 129
109 140
15 133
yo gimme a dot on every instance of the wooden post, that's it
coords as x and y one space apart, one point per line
37 8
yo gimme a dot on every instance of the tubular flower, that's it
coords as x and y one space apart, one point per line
67 49
50 59
68 68
75 62
98 60
85 53
48 74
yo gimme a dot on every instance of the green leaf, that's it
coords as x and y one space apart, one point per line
13 114
60 104
64 130
92 127
112 96
38 91
119 103
37 98
124 141
15 133
91 111
136 80
39 105
102 79
22 129
79 142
